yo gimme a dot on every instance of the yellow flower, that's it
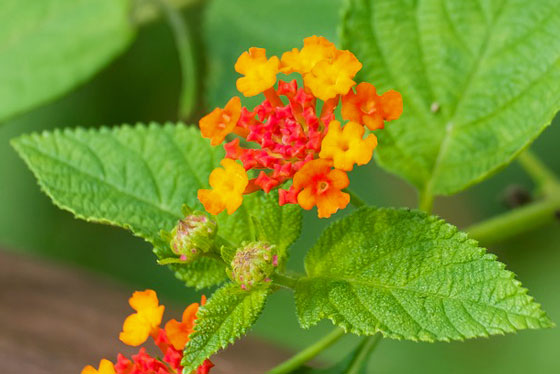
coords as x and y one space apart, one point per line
138 326
228 184
328 79
259 72
220 122
345 147
315 49
105 367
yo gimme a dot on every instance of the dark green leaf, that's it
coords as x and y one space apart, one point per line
229 313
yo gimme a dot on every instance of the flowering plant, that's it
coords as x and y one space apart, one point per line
391 272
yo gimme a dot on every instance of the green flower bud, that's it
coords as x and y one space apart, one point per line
193 236
253 263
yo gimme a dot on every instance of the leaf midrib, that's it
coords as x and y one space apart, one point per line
352 282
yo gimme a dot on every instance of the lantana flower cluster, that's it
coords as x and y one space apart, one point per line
287 142
170 340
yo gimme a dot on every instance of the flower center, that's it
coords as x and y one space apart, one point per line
322 186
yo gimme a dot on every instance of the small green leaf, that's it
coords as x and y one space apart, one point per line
48 47
280 225
480 81
410 276
136 177
229 313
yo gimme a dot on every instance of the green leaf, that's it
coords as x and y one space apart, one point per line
228 315
277 25
410 276
139 177
133 177
279 225
48 47
480 81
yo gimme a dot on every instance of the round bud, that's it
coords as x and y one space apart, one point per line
192 236
253 263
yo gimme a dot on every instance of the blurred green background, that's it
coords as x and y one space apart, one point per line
143 85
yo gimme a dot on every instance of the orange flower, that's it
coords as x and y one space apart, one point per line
315 49
346 147
330 78
220 122
178 332
228 184
369 109
105 367
321 187
138 326
260 72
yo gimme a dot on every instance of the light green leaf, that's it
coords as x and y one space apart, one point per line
228 315
48 47
232 27
133 177
410 276
480 81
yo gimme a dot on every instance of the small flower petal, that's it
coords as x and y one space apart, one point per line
228 184
259 72
220 122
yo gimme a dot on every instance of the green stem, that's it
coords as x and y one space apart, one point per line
355 200
284 280
308 353
516 221
543 177
528 217
366 348
185 50
425 201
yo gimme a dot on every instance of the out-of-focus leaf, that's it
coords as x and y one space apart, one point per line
277 25
47 47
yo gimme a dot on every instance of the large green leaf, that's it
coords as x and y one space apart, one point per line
139 177
480 80
410 276
48 47
133 177
229 313
232 27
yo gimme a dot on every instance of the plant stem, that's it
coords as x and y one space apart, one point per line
284 280
528 217
308 353
355 200
516 221
425 200
185 51
366 348
543 177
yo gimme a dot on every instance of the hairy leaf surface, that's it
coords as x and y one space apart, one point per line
410 276
229 313
48 47
480 80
